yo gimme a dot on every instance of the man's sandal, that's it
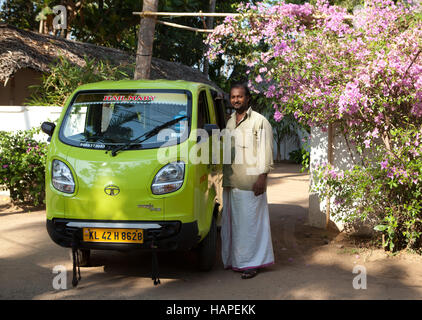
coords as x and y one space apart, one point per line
250 273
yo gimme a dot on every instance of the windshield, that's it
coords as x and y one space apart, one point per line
98 120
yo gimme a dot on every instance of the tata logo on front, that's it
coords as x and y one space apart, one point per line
112 190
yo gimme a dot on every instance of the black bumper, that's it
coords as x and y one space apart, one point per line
170 235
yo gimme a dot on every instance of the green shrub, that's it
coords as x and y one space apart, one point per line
300 156
64 77
386 189
22 166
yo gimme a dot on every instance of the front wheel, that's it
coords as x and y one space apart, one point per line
208 248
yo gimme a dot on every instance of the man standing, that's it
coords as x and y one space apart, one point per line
245 230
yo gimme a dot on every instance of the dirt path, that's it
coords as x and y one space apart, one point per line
310 263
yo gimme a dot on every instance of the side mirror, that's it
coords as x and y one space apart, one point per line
48 128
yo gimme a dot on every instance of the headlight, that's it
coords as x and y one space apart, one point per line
62 178
169 178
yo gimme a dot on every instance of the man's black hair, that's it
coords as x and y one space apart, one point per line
241 85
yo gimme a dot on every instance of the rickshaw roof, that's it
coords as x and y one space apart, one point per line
143 84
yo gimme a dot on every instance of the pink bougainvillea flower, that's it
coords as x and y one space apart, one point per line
278 115
367 143
384 164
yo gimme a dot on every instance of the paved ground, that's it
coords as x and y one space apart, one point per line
310 263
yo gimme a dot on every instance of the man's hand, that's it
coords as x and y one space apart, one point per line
260 186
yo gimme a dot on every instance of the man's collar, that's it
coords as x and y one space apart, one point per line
248 112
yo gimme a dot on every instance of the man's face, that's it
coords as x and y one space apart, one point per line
238 99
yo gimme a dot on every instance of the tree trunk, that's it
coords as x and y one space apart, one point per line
41 26
210 25
278 155
145 42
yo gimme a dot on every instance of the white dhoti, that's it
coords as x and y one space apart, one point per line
245 231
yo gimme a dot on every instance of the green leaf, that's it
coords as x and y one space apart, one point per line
380 227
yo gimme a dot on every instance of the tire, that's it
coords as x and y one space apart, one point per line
207 250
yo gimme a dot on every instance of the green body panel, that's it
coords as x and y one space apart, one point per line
133 172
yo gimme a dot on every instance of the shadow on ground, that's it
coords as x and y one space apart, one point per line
7 207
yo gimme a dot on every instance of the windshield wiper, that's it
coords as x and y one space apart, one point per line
146 135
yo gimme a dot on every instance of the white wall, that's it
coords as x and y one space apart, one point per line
288 145
318 156
343 159
13 118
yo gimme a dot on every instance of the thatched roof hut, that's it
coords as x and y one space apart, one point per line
24 55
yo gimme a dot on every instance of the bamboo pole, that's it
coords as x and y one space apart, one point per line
186 14
180 26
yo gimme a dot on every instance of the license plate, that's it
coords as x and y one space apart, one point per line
113 235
